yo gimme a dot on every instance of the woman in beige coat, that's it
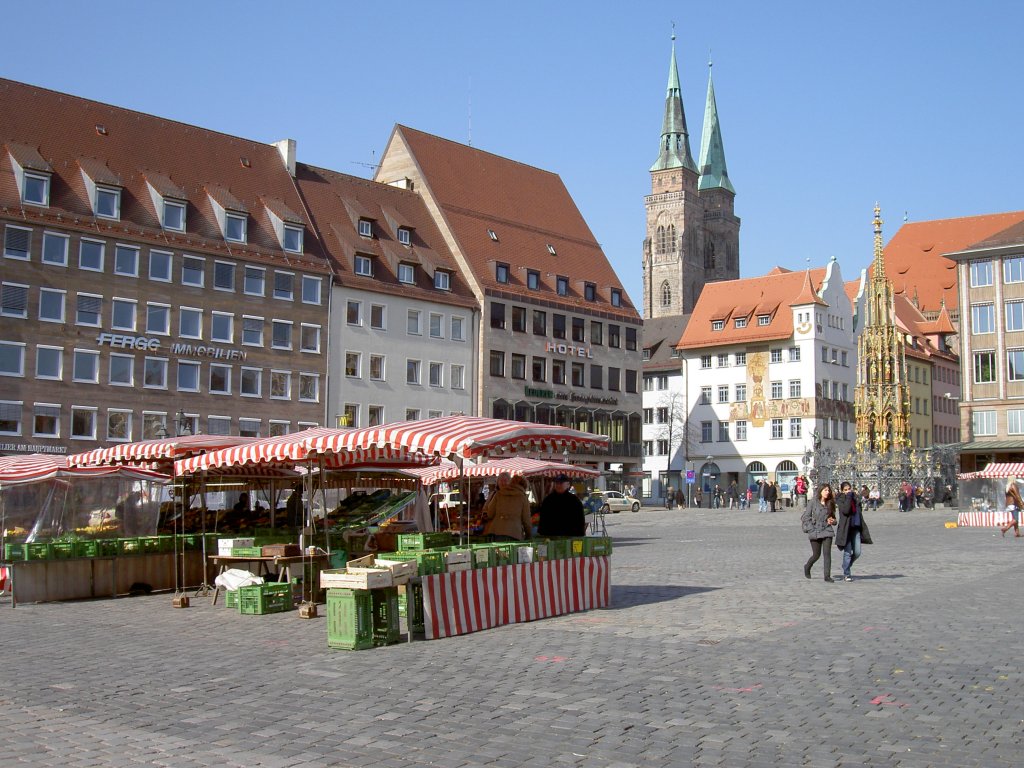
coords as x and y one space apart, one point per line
508 511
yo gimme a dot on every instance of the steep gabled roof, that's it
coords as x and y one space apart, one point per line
914 259
336 203
720 300
527 209
73 136
660 337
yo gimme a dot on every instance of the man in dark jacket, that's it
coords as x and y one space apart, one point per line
561 513
851 528
771 495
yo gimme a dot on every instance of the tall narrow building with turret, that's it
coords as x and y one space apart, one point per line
882 395
692 230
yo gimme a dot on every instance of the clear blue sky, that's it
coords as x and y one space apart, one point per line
825 107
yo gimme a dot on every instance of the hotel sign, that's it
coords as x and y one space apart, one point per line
569 350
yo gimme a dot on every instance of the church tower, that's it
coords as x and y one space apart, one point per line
881 396
692 231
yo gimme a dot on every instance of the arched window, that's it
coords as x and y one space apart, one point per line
670 235
709 255
757 466
660 241
786 466
666 294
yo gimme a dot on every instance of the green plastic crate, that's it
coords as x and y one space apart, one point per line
410 605
417 541
483 556
362 618
37 550
260 599
247 551
427 562
107 547
129 546
62 550
14 552
231 599
349 619
552 549
598 546
87 548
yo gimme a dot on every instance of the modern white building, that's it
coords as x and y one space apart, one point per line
668 441
769 365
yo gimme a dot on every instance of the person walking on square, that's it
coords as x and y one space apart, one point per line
734 495
762 501
1014 504
851 529
817 520
771 495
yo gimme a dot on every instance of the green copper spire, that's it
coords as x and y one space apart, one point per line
713 173
675 141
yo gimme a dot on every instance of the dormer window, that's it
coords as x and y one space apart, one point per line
533 279
365 228
292 239
35 189
741 322
407 274
764 319
404 236
364 266
589 291
442 280
616 296
646 353
501 273
173 215
108 202
717 325
235 227
562 286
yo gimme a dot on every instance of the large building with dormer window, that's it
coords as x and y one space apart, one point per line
768 362
156 276
559 339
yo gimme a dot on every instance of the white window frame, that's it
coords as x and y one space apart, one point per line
356 358
382 360
219 367
115 356
131 304
103 191
407 273
102 254
287 377
35 176
365 228
19 345
303 327
404 236
230 338
984 423
411 315
120 248
981 270
439 318
458 328
259 381
294 232
442 280
60 362
240 219
127 414
1015 421
415 367
234 277
383 326
187 311
363 265
55 237
150 328
170 266
188 365
23 314
308 281
90 354
162 364
274 323
256 273
17 255
90 409
178 205
350 305
457 376
315 379
189 259
438 368
56 424
99 312
288 295
263 332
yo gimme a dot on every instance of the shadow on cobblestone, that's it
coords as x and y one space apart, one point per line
645 594
628 542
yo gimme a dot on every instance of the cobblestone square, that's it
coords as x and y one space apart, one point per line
716 651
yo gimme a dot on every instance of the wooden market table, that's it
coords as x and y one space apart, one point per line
283 566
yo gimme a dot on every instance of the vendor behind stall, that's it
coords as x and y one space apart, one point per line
561 512
508 511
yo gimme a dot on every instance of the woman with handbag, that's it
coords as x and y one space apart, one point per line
817 520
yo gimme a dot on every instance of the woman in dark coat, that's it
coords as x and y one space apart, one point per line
817 520
771 495
852 528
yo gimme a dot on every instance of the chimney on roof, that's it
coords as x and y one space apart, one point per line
287 149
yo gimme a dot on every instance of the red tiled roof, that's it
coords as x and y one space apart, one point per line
720 300
116 145
336 203
528 209
914 260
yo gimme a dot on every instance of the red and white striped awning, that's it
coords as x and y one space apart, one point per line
36 467
463 436
162 450
1014 469
517 465
293 450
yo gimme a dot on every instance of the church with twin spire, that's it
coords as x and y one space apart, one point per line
692 228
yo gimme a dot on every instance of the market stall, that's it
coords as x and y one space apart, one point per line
983 494
69 532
